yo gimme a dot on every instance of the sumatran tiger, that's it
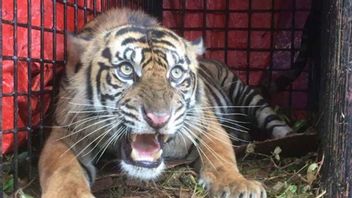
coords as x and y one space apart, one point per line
135 89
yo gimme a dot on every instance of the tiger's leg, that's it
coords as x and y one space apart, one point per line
219 172
60 173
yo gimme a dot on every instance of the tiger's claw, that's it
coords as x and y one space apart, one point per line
232 186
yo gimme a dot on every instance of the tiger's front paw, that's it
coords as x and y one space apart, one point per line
68 193
231 186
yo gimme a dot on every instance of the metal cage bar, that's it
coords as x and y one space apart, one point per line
1 111
29 87
249 32
15 96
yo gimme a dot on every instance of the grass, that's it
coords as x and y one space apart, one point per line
282 177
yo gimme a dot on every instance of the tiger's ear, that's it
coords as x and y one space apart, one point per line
75 48
198 46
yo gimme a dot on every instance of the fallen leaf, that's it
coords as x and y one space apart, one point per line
312 172
250 148
278 186
277 152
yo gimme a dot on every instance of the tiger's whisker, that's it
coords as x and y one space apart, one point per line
89 105
214 153
228 126
189 134
81 129
85 120
185 132
215 120
101 136
113 125
80 140
206 112
231 136
87 111
202 132
227 106
116 136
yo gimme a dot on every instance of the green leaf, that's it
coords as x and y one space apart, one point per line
313 167
21 194
8 184
299 125
312 172
292 189
306 189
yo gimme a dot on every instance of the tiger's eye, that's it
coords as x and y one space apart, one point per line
176 73
126 70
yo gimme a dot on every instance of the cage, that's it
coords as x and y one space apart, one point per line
259 39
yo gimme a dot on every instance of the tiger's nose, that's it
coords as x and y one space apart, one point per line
156 119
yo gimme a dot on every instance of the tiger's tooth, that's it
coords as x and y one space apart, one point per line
134 155
157 154
165 138
133 137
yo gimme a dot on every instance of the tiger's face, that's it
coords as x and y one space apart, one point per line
146 77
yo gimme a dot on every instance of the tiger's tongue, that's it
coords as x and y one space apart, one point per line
145 147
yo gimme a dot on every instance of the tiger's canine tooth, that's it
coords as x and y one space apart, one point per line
133 137
165 138
157 154
134 155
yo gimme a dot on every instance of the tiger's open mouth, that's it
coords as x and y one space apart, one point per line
144 150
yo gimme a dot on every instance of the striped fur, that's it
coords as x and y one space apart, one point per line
123 65
230 94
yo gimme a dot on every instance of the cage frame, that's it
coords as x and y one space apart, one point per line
338 9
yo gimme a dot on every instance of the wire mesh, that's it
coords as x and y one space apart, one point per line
37 54
39 27
264 46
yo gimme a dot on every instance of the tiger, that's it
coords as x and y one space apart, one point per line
140 92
